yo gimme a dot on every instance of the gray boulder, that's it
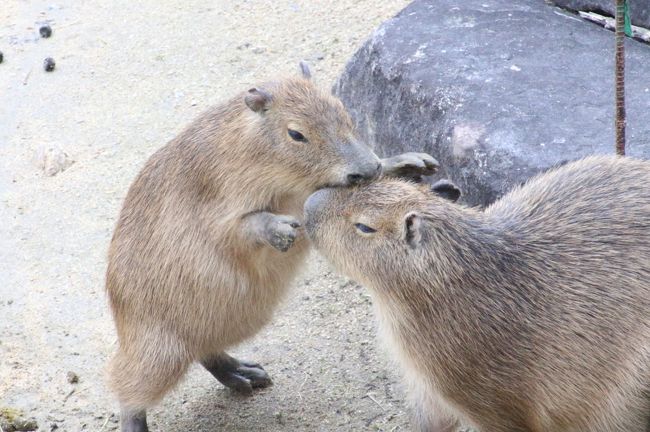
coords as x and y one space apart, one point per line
639 9
496 90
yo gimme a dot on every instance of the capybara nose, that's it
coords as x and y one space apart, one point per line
370 172
355 179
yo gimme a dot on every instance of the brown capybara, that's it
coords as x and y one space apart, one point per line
209 235
532 315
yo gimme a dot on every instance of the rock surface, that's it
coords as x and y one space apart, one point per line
495 90
639 9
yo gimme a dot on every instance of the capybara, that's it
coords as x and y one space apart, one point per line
209 236
532 315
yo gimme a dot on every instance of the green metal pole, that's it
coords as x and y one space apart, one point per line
620 77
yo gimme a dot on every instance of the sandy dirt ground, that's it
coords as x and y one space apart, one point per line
129 76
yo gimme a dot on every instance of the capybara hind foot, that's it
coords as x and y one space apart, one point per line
237 375
134 421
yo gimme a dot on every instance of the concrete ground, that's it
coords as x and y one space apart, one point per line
129 75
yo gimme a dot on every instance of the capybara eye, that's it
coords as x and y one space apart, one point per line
364 228
297 136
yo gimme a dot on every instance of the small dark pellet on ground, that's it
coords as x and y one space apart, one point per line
72 377
49 64
2 57
45 31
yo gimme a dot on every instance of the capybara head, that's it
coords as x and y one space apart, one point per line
362 230
311 132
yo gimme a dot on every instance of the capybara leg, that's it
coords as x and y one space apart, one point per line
428 414
134 421
140 378
424 423
240 376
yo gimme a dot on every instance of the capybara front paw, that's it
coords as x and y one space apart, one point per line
409 165
282 232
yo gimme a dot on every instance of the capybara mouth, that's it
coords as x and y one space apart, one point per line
331 186
340 185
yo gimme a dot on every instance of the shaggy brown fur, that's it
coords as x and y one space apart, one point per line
208 238
530 316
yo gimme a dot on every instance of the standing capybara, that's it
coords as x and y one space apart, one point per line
530 316
208 238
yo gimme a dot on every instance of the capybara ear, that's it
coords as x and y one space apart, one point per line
412 229
446 189
258 100
304 70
